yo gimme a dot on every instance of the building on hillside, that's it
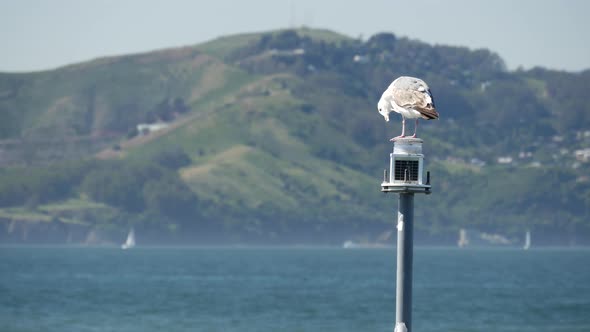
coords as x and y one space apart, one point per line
293 52
582 155
147 128
362 59
525 154
477 162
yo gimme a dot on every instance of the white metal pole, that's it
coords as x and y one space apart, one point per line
405 248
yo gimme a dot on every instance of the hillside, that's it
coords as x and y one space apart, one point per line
275 137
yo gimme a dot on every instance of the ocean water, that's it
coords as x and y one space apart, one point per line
290 289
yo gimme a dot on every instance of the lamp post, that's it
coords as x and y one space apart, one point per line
405 178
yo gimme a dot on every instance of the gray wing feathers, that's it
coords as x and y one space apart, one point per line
415 94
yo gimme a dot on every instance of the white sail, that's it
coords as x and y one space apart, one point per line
527 240
463 240
130 242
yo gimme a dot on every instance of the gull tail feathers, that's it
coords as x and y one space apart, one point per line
428 113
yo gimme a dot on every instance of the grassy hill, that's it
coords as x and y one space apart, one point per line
274 137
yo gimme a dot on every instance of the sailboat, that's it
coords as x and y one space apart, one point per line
130 242
527 241
463 240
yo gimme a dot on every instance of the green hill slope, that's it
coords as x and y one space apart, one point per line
275 137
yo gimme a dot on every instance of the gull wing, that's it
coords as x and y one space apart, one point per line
417 97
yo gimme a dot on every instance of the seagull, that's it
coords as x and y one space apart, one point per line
410 97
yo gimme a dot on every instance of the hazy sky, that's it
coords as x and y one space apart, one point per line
44 34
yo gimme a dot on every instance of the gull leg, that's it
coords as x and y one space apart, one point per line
415 129
403 129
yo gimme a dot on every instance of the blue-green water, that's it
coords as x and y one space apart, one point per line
212 289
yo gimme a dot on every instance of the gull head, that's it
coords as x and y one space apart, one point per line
383 107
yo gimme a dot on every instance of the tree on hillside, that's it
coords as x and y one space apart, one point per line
171 197
173 158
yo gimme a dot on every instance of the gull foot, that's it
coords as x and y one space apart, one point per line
400 136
